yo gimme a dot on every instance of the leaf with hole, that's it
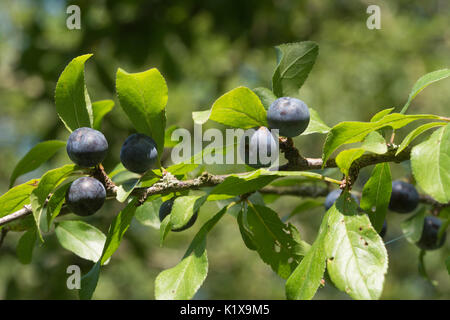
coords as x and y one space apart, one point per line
278 244
356 256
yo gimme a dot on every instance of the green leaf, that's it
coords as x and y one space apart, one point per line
423 82
168 142
305 280
345 159
89 282
25 246
235 185
55 203
143 97
245 231
182 168
81 238
413 226
430 162
304 206
125 189
374 142
356 257
117 230
376 194
148 213
39 154
47 184
100 109
294 62
379 115
17 197
183 280
416 132
316 125
164 229
238 184
266 96
423 270
279 245
238 108
71 97
354 131
200 117
184 208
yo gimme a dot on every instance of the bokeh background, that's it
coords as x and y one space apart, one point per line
203 49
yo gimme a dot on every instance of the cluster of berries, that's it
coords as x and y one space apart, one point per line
87 148
290 116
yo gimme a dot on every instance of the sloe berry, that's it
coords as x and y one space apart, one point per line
85 196
87 147
429 237
404 197
289 115
138 153
260 150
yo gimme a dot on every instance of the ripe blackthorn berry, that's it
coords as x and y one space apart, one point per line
166 209
87 147
262 149
333 196
289 115
404 197
429 238
138 153
85 196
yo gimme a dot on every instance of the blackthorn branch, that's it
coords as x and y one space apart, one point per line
295 163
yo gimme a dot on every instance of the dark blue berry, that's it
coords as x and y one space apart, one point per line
85 196
138 153
429 237
87 147
261 151
289 115
404 197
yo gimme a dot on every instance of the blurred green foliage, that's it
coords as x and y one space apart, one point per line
203 49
